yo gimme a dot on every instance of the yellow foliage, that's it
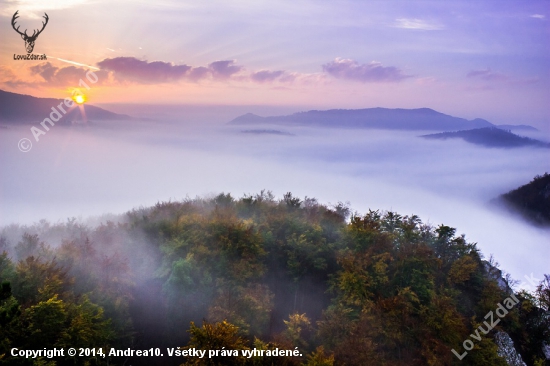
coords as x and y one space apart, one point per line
462 269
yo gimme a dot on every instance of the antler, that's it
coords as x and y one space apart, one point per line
43 26
15 16
34 34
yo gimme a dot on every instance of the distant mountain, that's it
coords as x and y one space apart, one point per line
490 137
379 118
20 108
267 132
531 200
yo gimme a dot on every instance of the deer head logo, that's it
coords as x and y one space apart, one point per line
29 40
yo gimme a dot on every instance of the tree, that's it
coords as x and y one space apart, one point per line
298 330
217 336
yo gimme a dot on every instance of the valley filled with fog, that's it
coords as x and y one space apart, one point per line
106 168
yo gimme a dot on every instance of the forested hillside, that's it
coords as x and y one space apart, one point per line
531 200
345 289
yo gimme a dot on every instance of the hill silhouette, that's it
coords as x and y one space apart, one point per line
490 137
531 200
379 118
20 108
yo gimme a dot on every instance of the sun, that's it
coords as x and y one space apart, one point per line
80 98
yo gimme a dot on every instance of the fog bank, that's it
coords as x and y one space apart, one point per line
112 167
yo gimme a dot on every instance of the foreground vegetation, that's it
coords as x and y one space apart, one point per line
259 273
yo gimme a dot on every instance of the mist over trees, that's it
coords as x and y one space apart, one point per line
344 288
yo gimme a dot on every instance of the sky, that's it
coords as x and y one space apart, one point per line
482 59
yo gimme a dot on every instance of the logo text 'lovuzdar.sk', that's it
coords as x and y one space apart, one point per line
501 312
30 57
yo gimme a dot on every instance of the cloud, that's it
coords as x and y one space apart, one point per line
46 71
124 70
224 69
487 75
198 73
538 16
158 72
491 80
286 77
10 79
372 72
130 68
65 76
407 23
267 76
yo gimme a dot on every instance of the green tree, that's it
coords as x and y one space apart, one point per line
217 336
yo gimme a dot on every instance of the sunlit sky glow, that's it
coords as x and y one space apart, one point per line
486 59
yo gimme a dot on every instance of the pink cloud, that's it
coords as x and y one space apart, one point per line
198 73
156 72
130 68
64 76
372 72
266 76
224 69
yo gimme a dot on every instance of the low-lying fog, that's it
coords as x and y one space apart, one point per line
112 167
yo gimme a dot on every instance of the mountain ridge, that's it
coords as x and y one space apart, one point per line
383 118
23 108
374 118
